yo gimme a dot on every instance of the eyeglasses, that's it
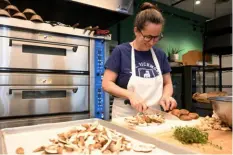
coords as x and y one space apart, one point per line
150 37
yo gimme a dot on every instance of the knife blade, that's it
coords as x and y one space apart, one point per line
157 112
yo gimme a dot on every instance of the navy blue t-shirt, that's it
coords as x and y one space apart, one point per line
120 63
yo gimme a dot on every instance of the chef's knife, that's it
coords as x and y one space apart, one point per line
158 112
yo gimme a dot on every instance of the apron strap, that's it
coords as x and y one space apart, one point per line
156 62
133 68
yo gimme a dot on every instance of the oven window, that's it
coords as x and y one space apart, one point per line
43 94
44 50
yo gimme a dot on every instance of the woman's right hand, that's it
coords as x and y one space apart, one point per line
137 102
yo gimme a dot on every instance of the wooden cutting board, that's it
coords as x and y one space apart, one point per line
216 137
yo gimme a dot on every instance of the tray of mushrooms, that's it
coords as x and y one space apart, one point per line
91 136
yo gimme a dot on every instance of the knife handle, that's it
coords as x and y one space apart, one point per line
127 102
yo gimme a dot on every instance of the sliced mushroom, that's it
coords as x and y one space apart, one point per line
142 148
86 125
107 152
106 145
90 140
20 150
81 142
115 147
100 128
80 128
97 146
73 138
123 147
51 149
128 146
55 141
59 150
69 148
94 126
41 148
109 133
62 140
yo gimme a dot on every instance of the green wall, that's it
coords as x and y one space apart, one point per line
178 31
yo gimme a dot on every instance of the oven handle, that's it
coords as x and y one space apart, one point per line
74 89
74 48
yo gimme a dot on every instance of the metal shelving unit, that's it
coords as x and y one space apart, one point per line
187 80
217 40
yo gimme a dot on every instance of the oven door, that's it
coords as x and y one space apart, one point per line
39 100
34 54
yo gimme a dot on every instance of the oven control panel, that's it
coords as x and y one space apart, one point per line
99 71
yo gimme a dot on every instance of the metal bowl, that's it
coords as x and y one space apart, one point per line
222 106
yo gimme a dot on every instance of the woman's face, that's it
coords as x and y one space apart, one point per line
148 36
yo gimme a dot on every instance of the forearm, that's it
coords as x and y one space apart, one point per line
167 90
115 90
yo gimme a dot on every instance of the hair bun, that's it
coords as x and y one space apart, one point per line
147 5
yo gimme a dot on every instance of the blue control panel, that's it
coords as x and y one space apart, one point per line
99 71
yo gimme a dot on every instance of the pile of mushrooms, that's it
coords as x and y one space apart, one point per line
91 138
144 119
212 123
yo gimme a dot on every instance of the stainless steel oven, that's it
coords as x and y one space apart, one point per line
43 73
42 51
48 70
37 94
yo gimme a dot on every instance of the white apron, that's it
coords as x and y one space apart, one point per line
149 89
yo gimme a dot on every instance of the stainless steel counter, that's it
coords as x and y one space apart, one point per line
10 139
17 122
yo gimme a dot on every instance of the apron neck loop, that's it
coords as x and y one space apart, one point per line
133 67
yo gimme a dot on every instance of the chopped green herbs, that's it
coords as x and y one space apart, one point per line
189 135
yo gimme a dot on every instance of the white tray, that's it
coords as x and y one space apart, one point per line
155 128
31 137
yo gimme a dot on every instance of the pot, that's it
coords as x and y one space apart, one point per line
174 57
222 106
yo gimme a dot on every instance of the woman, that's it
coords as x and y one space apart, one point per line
139 72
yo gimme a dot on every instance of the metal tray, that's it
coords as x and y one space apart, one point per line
30 135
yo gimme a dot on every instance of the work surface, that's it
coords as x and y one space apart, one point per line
220 142
31 137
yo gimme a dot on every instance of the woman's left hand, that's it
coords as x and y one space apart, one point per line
168 103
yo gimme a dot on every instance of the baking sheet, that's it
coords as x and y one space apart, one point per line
155 128
31 137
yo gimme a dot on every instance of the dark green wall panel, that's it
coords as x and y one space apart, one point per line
182 29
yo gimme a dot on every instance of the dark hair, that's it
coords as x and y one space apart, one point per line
148 13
